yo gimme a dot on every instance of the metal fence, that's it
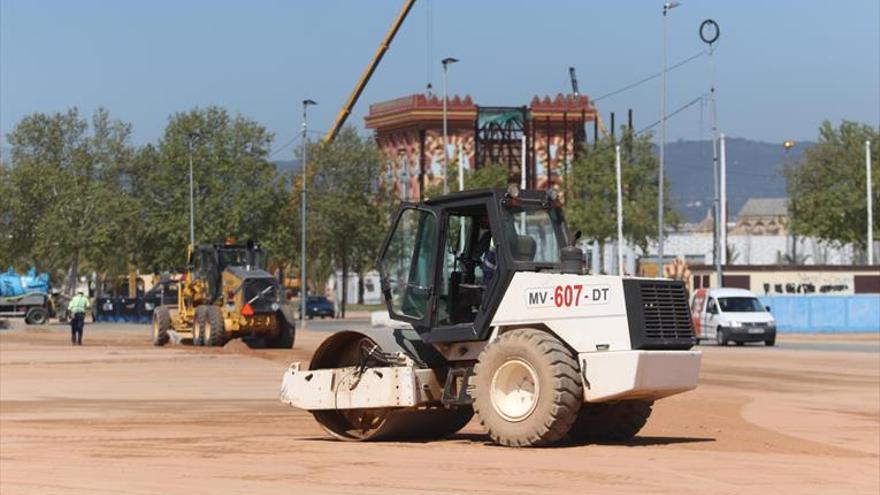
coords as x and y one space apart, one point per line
812 314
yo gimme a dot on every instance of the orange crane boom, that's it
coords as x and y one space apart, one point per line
365 77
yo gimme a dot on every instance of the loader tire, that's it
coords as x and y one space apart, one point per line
215 334
611 421
200 325
286 335
161 325
527 389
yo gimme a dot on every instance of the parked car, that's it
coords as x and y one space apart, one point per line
731 315
318 306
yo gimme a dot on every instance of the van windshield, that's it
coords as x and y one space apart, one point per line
740 305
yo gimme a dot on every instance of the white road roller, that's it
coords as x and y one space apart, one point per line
501 322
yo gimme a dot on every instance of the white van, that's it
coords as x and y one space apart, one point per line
731 315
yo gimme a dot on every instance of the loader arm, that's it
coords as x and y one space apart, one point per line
365 77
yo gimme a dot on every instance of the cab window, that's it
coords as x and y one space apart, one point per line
407 261
711 308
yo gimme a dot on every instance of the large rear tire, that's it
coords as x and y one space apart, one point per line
215 333
286 334
611 421
161 325
527 389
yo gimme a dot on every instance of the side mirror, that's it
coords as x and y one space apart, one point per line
767 308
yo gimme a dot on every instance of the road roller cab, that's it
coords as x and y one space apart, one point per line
506 325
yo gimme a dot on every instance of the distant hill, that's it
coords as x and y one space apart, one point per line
754 170
289 165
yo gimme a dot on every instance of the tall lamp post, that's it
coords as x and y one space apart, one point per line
191 144
446 61
709 33
303 288
870 243
666 8
788 145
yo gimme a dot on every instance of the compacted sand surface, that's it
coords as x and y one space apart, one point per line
120 416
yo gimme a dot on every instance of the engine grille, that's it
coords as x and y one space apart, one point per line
659 314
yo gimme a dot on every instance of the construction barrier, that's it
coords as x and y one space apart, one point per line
813 314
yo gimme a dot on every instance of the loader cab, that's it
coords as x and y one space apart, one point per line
447 261
208 261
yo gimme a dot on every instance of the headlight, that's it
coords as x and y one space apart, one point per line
275 306
149 306
736 324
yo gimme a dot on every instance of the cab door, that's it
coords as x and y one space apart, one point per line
710 318
407 265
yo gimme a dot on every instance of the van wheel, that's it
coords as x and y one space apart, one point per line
527 389
770 342
720 338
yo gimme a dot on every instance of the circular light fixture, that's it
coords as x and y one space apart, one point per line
709 31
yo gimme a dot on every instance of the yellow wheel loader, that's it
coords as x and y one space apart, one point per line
225 294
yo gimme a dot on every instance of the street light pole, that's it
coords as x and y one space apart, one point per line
193 137
870 203
303 287
446 61
618 173
666 8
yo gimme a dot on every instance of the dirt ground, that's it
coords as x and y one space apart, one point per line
120 416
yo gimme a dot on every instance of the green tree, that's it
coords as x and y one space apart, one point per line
348 206
592 205
238 193
827 187
68 203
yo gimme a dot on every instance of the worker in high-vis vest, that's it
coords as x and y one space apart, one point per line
77 308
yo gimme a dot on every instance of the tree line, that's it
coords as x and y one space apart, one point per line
76 196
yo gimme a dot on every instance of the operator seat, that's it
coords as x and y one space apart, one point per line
524 248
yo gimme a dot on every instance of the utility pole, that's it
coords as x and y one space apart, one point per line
303 286
870 203
619 210
446 61
666 8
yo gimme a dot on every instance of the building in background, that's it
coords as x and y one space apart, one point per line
409 131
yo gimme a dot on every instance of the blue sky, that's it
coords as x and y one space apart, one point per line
782 66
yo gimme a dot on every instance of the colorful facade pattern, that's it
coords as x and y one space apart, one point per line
409 131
